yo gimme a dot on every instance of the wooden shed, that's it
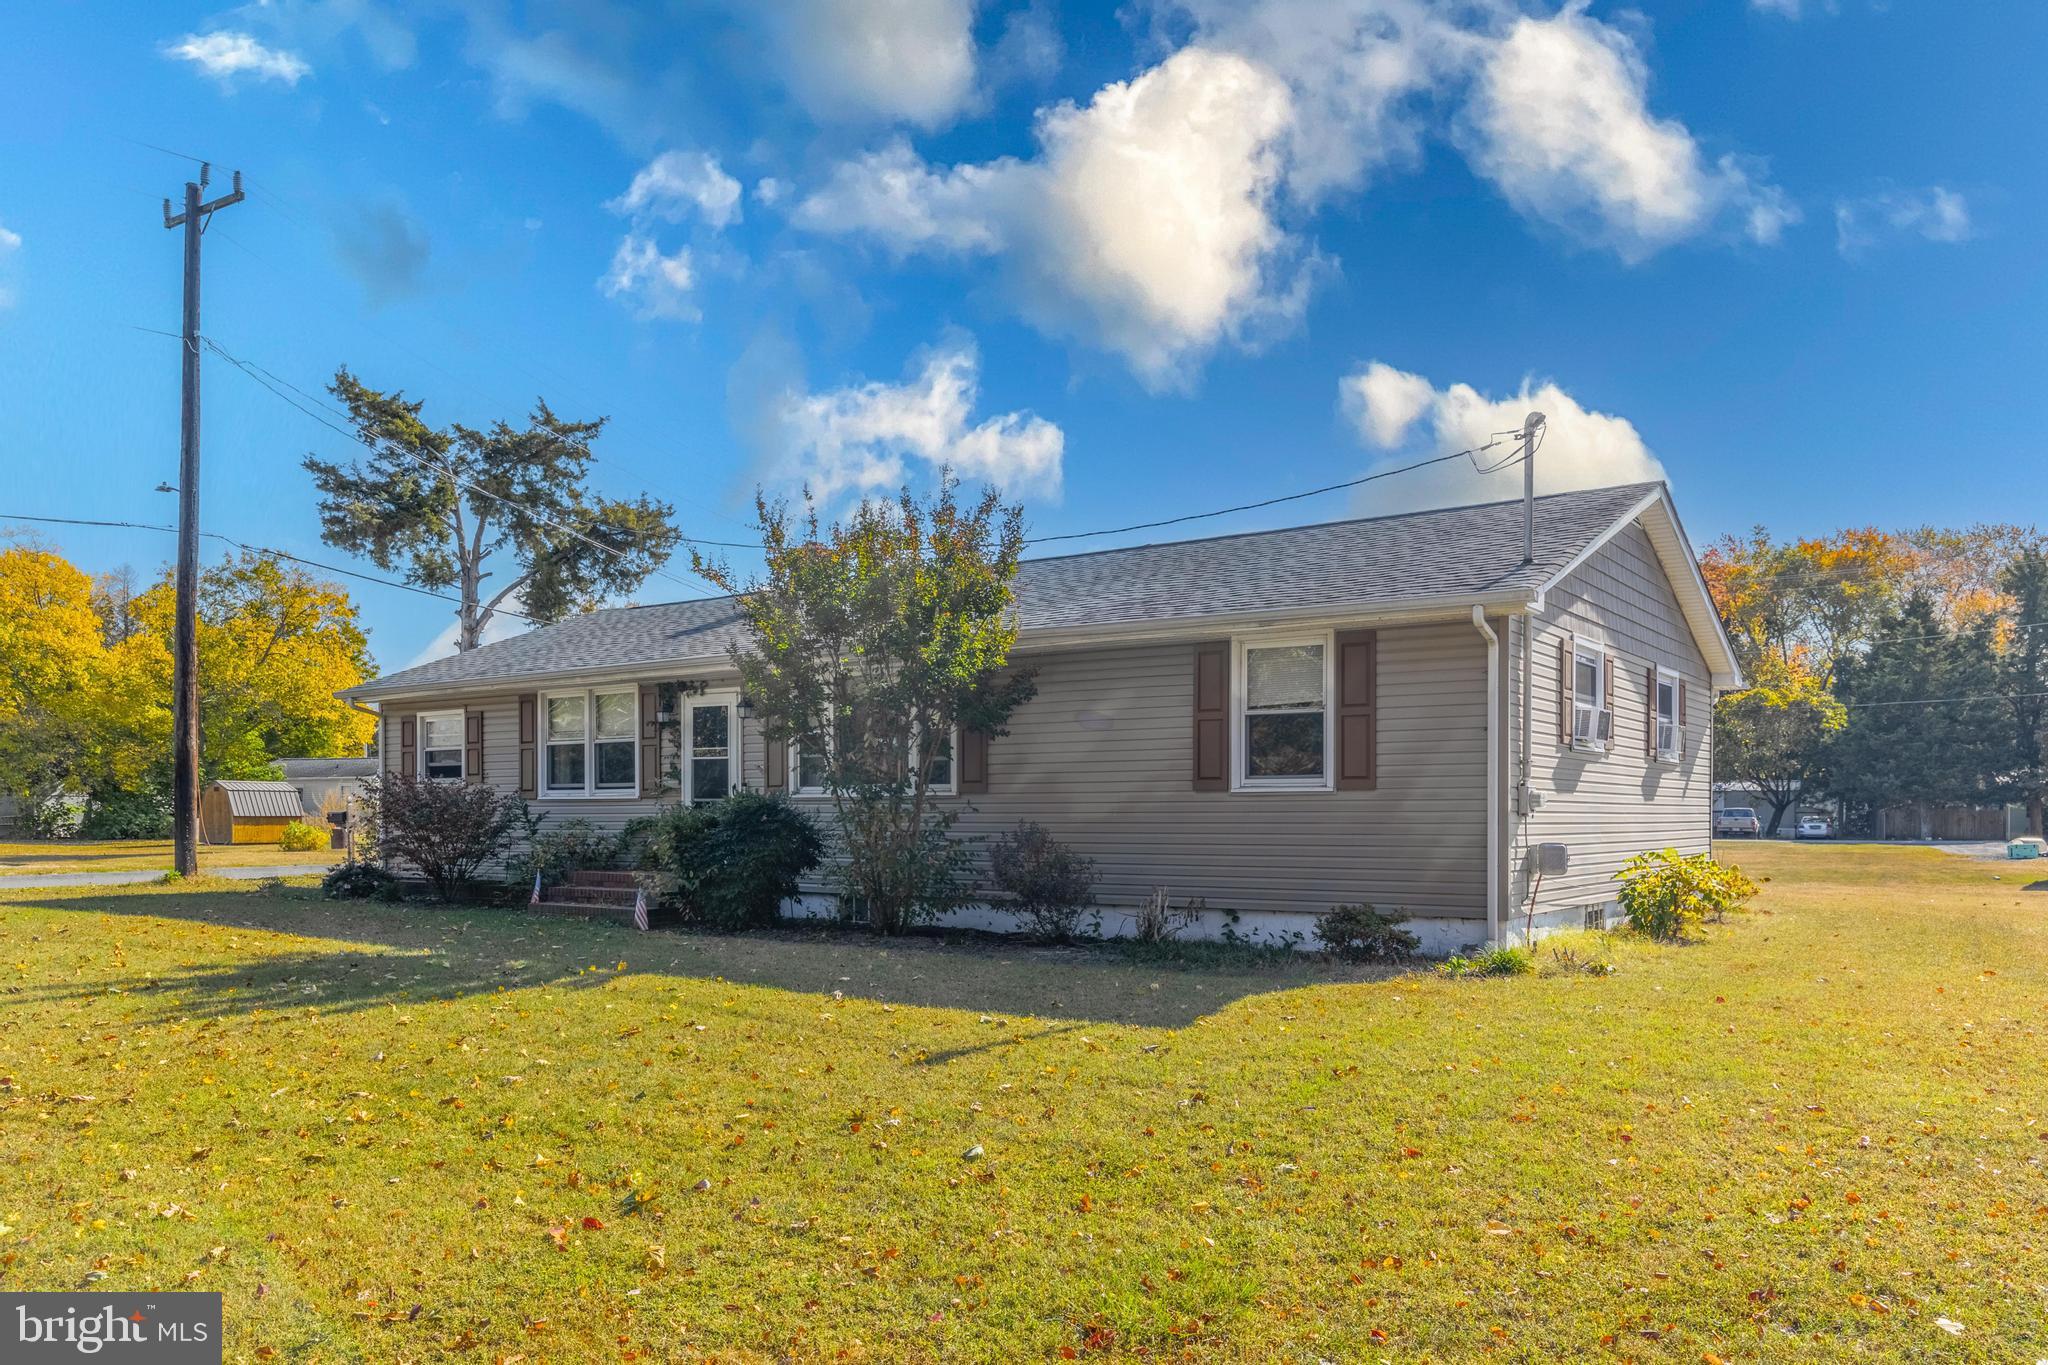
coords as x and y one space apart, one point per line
239 812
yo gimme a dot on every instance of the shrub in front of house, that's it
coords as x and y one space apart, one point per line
1668 894
446 830
1049 884
300 837
575 845
360 881
730 864
1360 933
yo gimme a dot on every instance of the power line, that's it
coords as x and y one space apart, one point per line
267 550
1274 502
1941 701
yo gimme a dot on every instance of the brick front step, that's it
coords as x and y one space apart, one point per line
590 895
588 877
618 914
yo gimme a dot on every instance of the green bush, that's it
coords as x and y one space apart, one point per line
1490 962
730 864
144 814
1048 883
1359 933
575 845
1667 893
360 881
300 837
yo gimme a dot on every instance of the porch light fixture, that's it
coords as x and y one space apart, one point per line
746 708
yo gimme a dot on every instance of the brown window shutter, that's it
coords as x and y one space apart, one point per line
1650 714
1212 717
408 745
973 756
1358 685
650 740
776 757
1681 703
529 744
1567 684
472 744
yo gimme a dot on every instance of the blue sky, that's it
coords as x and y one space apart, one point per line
1129 261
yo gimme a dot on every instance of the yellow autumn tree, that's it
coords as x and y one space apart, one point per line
50 656
275 645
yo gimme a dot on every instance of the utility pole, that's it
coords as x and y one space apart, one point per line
185 643
1531 424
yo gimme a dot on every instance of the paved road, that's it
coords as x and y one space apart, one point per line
240 874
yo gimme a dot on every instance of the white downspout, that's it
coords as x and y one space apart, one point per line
1493 863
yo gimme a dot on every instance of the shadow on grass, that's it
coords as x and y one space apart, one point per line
410 954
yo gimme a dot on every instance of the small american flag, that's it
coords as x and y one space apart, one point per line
534 899
640 909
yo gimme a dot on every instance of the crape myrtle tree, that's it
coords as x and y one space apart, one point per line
445 505
869 643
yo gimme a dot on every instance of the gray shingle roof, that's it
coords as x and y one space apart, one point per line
262 800
1453 553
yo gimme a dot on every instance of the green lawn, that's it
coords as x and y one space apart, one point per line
134 855
410 1134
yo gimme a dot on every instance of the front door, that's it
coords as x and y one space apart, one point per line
711 749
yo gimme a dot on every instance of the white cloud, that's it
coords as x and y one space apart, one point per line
1145 224
1385 402
676 182
653 285
910 61
1579 448
1935 214
1789 9
10 243
857 440
1358 70
225 54
1559 119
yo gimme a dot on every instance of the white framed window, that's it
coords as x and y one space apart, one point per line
441 736
1592 713
809 768
592 745
711 748
1666 703
1282 733
944 779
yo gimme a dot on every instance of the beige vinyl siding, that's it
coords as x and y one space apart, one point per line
1102 757
1608 806
501 762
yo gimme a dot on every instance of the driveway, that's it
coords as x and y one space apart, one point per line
240 874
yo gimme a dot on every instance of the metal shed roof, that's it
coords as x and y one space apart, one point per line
262 800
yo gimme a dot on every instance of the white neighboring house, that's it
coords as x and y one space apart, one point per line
326 784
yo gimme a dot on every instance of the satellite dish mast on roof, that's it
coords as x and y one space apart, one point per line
1531 424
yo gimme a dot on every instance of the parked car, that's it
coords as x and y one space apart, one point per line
1815 827
1737 821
